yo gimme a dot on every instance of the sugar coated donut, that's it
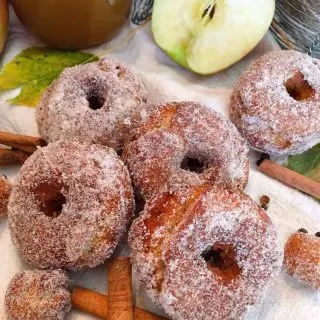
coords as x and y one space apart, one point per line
205 253
276 103
92 103
70 206
302 258
185 143
5 189
38 295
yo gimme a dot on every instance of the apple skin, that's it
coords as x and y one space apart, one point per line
4 19
208 45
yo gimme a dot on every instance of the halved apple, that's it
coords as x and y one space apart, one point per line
3 23
207 36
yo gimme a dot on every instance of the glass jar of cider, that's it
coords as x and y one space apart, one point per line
73 24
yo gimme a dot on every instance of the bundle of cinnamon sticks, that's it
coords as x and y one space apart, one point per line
17 148
118 304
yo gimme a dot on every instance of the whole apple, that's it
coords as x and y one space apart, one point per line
3 22
207 36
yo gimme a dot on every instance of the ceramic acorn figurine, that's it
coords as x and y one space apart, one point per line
141 11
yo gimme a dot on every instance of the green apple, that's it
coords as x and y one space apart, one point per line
3 23
207 36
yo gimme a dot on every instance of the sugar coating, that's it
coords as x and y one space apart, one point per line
167 241
302 258
262 109
97 210
38 295
5 189
171 132
64 111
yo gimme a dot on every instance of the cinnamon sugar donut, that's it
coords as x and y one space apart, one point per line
205 253
70 206
38 295
302 258
276 103
91 103
185 143
5 189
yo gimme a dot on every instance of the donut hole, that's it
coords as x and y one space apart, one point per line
53 206
298 88
221 260
51 198
192 164
95 100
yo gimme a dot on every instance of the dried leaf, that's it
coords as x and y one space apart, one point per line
35 68
307 163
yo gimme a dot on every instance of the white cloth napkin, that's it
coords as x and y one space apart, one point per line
289 209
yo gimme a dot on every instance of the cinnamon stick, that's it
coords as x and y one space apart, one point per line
289 177
96 304
120 289
140 314
90 302
11 157
28 149
9 139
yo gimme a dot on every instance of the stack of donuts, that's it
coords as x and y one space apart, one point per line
200 245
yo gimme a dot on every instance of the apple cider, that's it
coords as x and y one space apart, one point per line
73 23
